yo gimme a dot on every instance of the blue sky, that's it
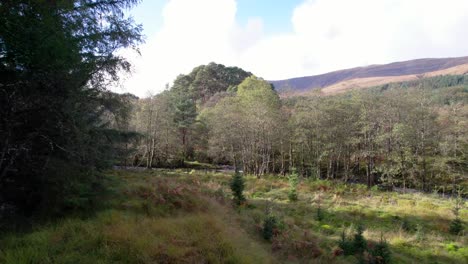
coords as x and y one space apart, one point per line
276 14
280 39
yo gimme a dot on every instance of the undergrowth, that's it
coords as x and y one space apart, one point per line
176 216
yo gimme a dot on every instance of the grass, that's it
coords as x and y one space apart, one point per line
162 216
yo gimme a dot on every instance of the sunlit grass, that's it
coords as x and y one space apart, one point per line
185 216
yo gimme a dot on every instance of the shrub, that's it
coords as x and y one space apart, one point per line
359 242
452 247
406 225
381 252
456 226
293 182
419 232
345 244
237 188
269 226
357 245
319 215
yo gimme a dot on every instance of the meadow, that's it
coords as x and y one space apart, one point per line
187 216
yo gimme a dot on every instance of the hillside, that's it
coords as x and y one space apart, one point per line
360 83
161 216
373 75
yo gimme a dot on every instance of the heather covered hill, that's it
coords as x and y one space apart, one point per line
396 69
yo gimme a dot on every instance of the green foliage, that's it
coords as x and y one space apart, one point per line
185 218
125 234
403 135
293 182
406 225
381 252
237 187
319 216
420 235
269 226
452 247
59 127
205 81
345 244
358 245
359 242
456 226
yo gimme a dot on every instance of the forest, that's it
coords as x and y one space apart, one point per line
408 135
88 175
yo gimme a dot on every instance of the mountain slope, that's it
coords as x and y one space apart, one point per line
361 74
360 83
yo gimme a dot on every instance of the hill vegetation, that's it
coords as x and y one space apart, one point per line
408 135
361 83
176 216
376 175
373 75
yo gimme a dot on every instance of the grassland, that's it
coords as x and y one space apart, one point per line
178 216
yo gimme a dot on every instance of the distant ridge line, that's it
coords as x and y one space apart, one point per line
410 67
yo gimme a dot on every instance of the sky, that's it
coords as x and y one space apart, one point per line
280 39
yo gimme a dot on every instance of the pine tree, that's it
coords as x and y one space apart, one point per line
345 244
293 182
456 226
237 188
359 242
56 63
185 111
381 252
269 225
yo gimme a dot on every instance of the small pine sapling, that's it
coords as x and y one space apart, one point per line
269 226
320 215
381 252
237 188
270 223
419 232
456 225
293 182
359 242
345 244
406 225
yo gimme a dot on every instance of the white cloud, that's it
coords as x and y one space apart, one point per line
327 35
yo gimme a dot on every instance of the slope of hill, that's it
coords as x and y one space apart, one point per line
360 83
160 216
397 71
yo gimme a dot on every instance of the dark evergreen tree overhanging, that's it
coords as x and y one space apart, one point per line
56 59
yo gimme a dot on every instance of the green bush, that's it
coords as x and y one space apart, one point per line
293 182
359 242
419 232
345 244
456 226
406 225
452 247
237 188
381 252
320 214
356 245
269 225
